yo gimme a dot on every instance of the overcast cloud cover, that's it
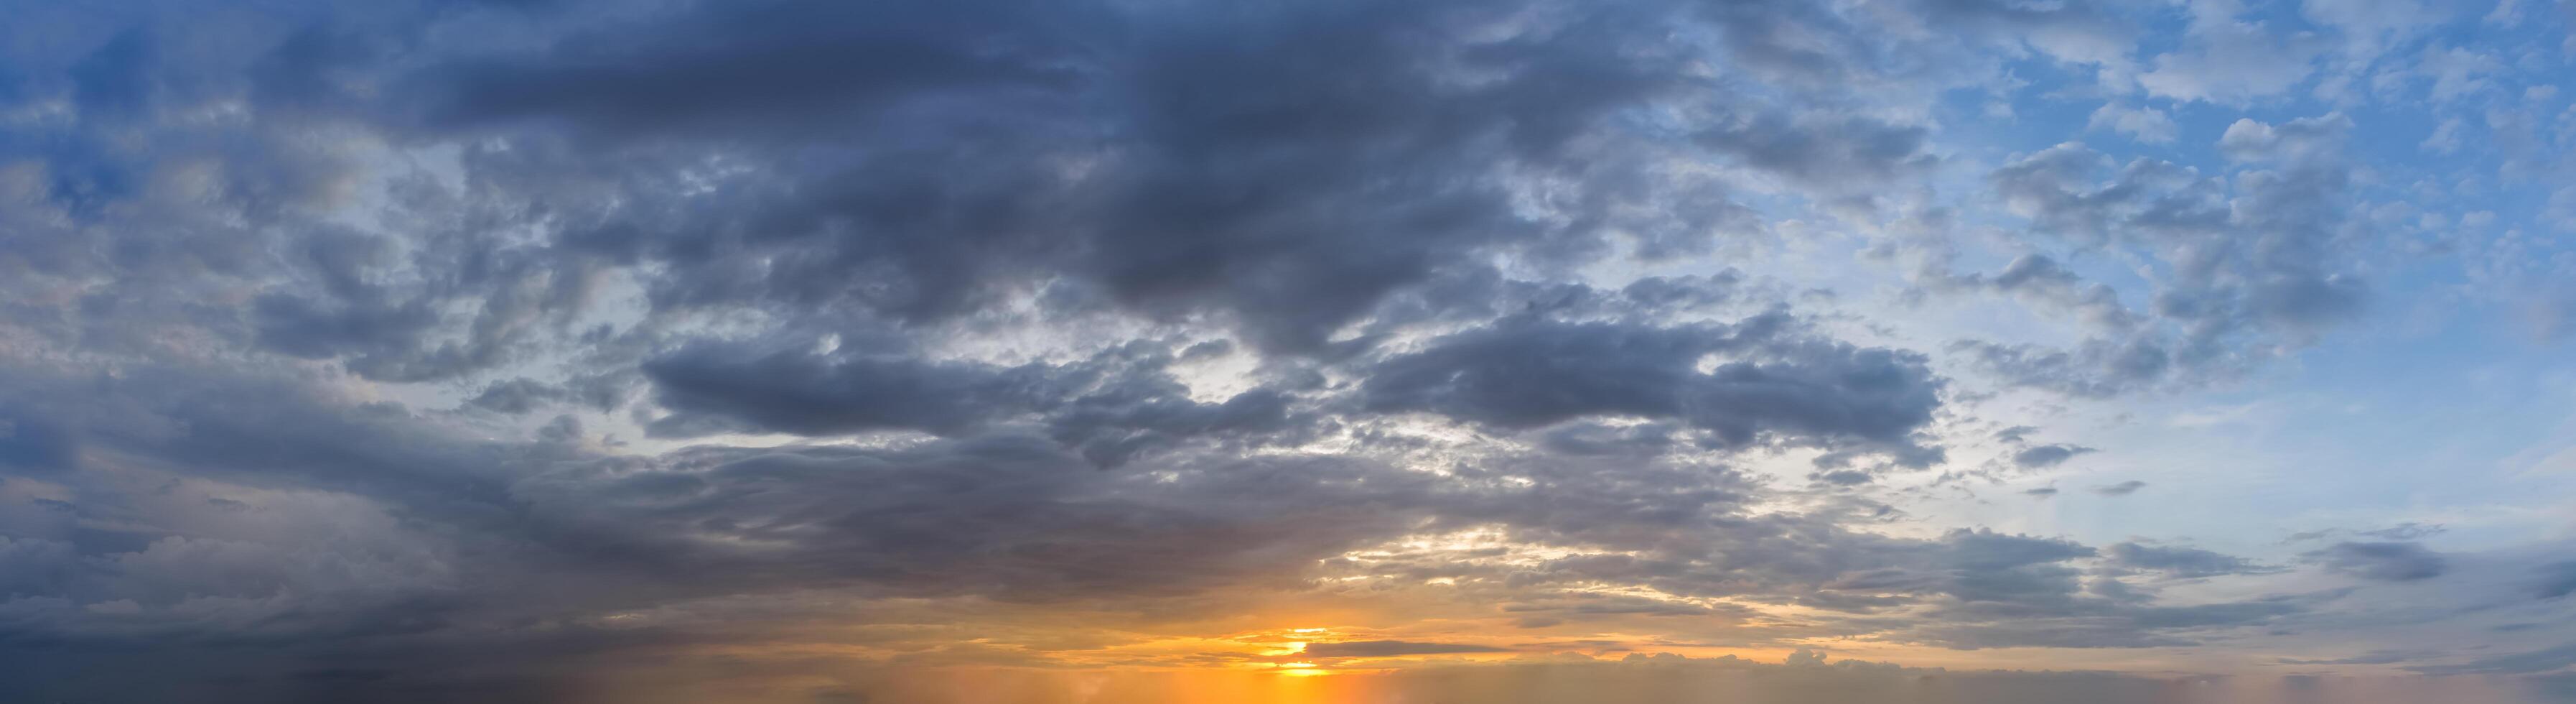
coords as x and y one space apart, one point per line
1146 350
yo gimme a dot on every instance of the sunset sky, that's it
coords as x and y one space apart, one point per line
1311 351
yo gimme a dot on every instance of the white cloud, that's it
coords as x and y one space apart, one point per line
2446 137
2456 72
2234 63
2368 25
2142 123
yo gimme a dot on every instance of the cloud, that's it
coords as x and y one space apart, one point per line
1390 648
2121 489
2368 23
1113 406
1014 518
2247 139
2141 123
2043 456
2179 562
2283 287
1527 373
2387 561
29 443
2041 280
2445 138
478 351
2409 530
2542 660
1849 152
2375 657
2557 579
1174 162
818 394
2226 60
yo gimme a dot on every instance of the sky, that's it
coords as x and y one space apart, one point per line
1060 351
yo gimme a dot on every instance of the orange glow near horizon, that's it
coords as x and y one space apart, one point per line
1302 669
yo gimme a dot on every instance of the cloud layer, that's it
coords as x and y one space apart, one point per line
458 351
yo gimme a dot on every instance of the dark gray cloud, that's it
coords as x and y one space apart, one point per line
1005 516
1111 407
2389 561
2040 278
2179 562
1593 439
1526 372
1213 176
519 395
29 443
2044 456
762 68
1848 153
1287 166
799 391
2095 368
2557 579
1011 517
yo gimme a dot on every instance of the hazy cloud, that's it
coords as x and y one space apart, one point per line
2390 561
2121 489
